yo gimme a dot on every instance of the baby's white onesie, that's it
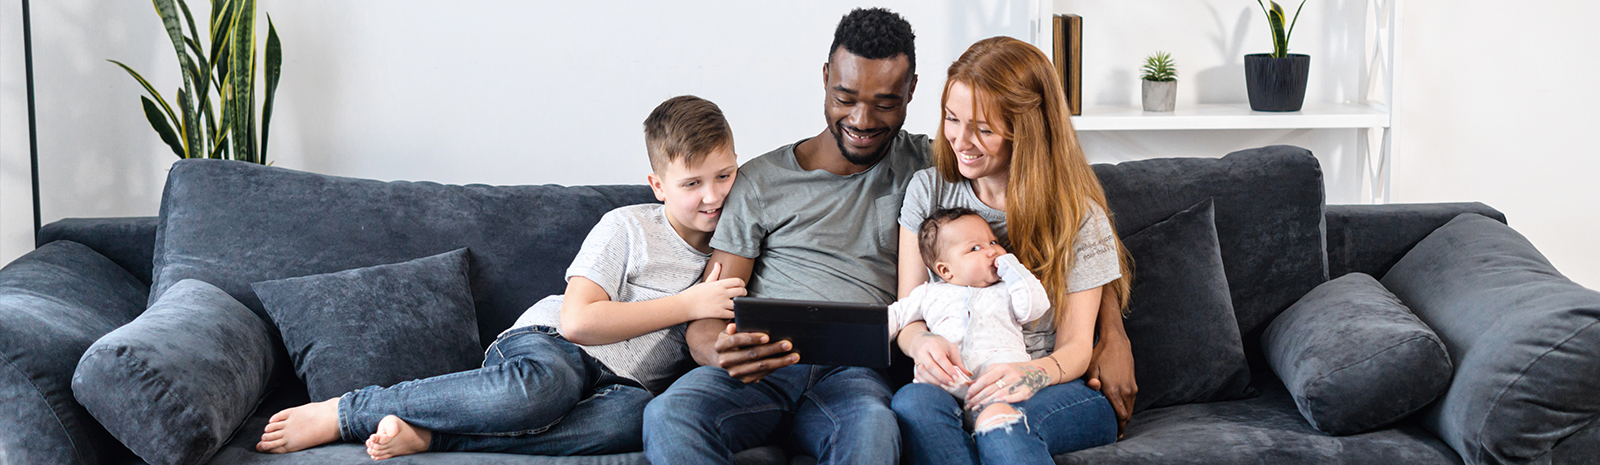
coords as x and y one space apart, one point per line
985 322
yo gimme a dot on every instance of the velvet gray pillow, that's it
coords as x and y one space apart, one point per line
1186 345
378 325
54 302
1354 357
175 383
1524 339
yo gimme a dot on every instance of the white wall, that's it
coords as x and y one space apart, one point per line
511 92
496 92
1497 104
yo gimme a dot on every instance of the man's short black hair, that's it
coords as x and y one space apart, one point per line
875 34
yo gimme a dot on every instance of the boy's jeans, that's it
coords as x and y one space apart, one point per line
536 394
1059 419
836 414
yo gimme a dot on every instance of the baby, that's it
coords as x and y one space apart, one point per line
968 309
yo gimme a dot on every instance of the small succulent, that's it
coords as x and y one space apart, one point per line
1280 36
1159 67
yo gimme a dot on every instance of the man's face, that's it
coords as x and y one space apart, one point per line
866 104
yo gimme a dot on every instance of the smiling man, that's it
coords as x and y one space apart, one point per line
813 220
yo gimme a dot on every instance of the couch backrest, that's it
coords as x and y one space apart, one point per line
1269 217
232 224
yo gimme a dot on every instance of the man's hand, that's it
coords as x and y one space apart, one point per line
938 362
749 357
1111 372
712 298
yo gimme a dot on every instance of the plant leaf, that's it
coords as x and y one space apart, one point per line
1290 34
274 67
241 80
148 88
1280 43
159 123
170 19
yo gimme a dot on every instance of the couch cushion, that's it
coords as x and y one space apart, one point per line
365 327
1354 357
234 223
54 302
175 383
1525 340
1180 321
1371 238
127 241
1268 214
1264 429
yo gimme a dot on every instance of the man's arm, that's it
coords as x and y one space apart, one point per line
714 342
1111 368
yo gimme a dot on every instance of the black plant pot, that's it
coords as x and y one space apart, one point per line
1276 84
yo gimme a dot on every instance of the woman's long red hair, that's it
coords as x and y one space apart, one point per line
1050 188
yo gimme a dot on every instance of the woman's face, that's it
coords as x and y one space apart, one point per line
979 149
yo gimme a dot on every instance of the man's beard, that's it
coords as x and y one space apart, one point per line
860 160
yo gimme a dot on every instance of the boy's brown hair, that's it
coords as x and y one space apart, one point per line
684 128
928 234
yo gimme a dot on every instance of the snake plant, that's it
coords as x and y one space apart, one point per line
226 69
1280 36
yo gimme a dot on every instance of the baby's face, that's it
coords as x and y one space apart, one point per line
967 252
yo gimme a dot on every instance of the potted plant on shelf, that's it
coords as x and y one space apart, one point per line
1160 90
1277 81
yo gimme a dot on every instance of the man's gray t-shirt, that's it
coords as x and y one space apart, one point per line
1094 261
816 235
635 255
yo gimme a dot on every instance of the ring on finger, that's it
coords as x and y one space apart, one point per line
1000 383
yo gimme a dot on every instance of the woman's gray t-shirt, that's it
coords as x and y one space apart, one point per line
1094 261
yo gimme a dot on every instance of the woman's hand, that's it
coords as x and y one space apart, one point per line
938 362
1006 382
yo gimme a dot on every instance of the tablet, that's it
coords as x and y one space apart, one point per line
823 333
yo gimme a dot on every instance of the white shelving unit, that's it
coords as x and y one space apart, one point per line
1370 115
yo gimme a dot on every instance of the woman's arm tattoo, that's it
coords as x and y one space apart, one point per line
1033 378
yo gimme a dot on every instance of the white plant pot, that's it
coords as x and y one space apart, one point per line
1160 96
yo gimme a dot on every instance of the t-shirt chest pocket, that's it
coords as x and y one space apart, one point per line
887 213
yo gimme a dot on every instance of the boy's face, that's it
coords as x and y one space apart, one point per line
967 249
694 194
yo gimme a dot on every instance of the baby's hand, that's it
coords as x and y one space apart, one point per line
712 298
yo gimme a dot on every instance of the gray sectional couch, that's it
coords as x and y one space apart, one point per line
1523 357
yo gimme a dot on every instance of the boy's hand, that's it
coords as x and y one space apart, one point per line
712 298
749 357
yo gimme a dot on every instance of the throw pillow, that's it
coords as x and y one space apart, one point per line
378 325
1186 345
1354 357
175 383
1524 339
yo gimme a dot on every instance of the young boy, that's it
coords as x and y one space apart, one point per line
968 309
630 292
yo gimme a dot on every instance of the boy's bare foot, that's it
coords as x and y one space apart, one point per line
395 438
301 428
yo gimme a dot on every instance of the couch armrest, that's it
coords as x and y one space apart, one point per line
54 302
1371 238
129 242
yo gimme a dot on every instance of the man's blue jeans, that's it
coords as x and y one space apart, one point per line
836 414
1059 419
536 394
